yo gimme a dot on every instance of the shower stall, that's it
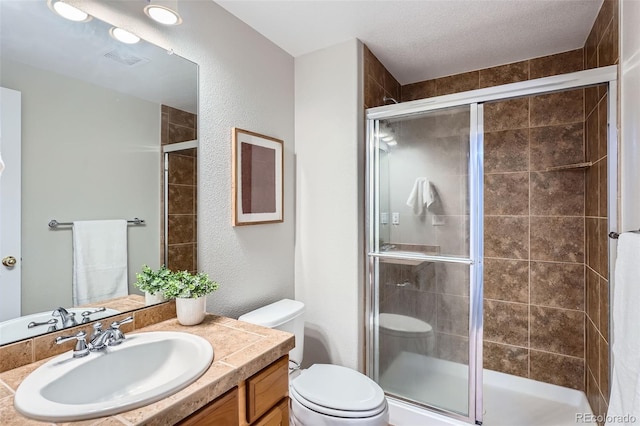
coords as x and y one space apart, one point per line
465 199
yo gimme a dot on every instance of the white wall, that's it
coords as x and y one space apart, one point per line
630 114
329 202
87 153
244 81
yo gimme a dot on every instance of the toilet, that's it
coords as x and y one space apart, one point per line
401 333
323 394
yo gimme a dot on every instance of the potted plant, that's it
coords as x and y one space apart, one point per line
153 283
190 291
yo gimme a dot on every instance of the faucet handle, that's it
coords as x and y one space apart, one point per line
97 329
116 324
118 336
81 348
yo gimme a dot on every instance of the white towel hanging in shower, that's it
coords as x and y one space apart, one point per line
422 195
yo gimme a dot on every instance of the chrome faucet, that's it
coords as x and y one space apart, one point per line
112 336
100 339
67 319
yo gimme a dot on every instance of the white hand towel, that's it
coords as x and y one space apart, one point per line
99 260
625 389
422 195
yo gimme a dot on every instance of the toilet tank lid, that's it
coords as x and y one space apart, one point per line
274 314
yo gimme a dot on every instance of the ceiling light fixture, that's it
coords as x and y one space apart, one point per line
123 35
67 11
163 11
392 143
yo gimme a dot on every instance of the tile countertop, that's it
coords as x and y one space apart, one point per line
240 350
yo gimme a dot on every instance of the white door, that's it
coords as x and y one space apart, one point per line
10 187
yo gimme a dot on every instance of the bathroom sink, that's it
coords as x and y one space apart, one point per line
145 368
18 328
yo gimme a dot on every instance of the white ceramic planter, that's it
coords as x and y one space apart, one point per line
190 311
153 299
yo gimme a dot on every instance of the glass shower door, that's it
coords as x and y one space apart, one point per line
424 258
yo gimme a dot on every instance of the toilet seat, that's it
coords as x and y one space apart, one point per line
338 391
403 326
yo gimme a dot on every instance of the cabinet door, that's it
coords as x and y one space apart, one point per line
278 416
266 388
221 412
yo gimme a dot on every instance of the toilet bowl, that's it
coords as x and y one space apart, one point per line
401 333
323 394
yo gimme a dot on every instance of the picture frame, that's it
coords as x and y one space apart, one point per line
257 178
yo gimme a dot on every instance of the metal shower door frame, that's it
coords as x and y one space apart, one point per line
603 75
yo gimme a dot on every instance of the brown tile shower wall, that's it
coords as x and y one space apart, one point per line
378 82
534 238
181 126
601 49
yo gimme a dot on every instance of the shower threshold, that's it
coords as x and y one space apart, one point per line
508 400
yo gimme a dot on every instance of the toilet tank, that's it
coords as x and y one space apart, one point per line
286 315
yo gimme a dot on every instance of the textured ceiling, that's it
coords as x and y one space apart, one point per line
420 40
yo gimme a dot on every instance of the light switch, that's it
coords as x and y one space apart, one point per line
384 218
395 218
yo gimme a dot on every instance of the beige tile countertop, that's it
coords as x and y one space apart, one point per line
240 350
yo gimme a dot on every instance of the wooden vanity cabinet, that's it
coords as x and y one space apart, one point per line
261 400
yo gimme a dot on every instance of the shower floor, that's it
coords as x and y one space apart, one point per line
508 400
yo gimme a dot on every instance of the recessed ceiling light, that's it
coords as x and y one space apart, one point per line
163 14
392 143
67 11
123 35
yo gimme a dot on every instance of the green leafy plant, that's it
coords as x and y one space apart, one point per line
153 281
186 285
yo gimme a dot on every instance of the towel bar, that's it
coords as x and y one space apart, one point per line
615 235
54 223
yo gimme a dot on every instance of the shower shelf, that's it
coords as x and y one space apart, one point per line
570 166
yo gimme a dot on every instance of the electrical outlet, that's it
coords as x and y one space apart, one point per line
395 218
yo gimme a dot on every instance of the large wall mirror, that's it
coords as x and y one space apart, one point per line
100 122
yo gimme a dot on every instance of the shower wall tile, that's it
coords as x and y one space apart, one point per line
182 118
558 285
559 193
557 239
506 151
452 279
179 133
506 323
557 369
452 348
453 315
604 309
592 136
373 93
181 169
592 243
603 248
506 194
557 108
506 280
556 145
592 391
506 359
591 98
506 115
506 237
603 375
505 74
593 297
457 83
181 199
592 191
602 187
420 90
608 46
593 350
181 257
181 229
602 126
560 63
560 331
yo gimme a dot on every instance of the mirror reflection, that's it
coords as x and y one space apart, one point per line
106 132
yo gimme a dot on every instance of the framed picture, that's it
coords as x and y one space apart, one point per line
257 184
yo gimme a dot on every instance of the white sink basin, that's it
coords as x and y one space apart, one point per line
17 328
145 368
